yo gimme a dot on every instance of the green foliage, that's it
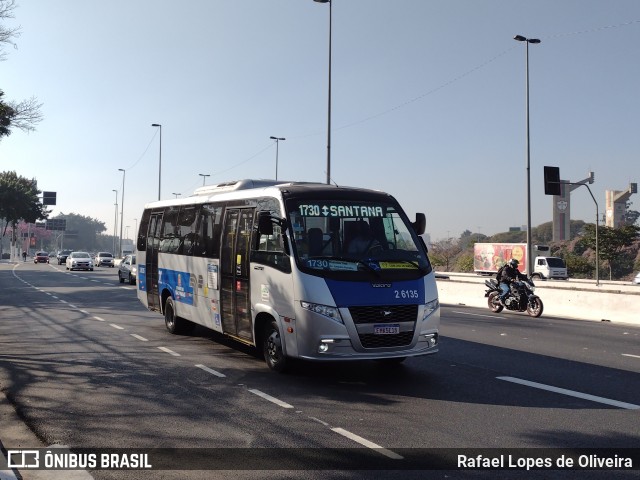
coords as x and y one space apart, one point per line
619 248
6 115
19 200
611 242
519 236
82 232
578 266
464 262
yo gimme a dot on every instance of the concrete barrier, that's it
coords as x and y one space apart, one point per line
617 302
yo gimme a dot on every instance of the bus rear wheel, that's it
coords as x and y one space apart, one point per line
272 347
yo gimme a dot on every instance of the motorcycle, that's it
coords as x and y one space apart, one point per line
519 299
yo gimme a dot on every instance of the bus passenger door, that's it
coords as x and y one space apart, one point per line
153 243
234 265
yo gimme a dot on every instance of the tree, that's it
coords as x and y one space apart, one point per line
611 241
82 232
23 115
7 34
443 252
630 216
19 201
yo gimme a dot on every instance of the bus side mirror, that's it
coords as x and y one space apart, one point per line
420 225
265 223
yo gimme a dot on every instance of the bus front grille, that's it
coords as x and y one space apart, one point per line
384 314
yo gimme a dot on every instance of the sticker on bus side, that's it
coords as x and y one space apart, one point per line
142 278
178 283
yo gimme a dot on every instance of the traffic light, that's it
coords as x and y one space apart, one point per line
552 180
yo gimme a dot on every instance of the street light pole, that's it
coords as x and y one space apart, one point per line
176 194
527 41
160 159
204 177
124 173
330 2
277 139
115 223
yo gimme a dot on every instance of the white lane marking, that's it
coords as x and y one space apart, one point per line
63 301
270 398
211 371
73 306
97 281
53 296
319 421
571 393
116 326
477 314
169 351
99 319
85 312
629 355
367 443
139 337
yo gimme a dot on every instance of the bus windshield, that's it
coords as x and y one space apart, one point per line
354 236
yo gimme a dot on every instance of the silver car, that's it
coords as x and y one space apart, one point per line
636 280
104 259
128 270
79 261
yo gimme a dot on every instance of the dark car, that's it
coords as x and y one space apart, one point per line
62 256
128 270
41 257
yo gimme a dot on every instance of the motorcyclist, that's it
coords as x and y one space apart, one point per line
506 274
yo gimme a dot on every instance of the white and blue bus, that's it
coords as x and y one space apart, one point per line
278 265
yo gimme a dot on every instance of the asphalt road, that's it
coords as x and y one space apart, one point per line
85 365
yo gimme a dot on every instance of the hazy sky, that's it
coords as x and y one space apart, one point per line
428 101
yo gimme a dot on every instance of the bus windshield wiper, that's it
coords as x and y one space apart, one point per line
359 262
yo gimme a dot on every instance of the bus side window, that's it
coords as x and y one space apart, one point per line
187 221
207 242
142 231
269 249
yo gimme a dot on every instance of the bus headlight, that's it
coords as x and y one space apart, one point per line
430 307
324 310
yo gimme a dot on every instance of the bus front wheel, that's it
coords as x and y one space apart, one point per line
272 347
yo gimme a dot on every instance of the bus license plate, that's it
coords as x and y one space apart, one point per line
392 329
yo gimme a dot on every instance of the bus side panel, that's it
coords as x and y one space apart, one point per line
272 293
194 285
141 281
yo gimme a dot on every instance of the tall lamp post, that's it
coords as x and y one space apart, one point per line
121 210
277 139
329 98
527 41
115 223
204 177
160 159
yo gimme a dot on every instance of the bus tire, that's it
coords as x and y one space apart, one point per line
272 347
171 320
